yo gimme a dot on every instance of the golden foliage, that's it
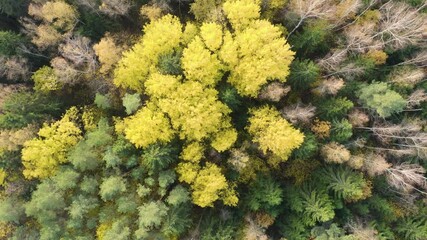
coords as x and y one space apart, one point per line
147 126
208 184
108 53
161 37
321 128
273 133
200 65
377 56
41 156
256 55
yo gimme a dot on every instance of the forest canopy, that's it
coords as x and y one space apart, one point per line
213 119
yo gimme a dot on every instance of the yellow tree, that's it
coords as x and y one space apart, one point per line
160 37
41 156
256 51
147 126
273 133
208 184
108 53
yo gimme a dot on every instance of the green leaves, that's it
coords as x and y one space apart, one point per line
345 183
303 73
314 205
131 102
264 194
379 97
112 187
413 228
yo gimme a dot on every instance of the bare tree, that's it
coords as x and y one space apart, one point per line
401 25
253 231
360 37
407 76
407 137
357 118
343 11
420 59
332 61
91 4
299 113
115 7
416 98
362 230
14 68
274 91
407 178
375 164
79 51
306 9
329 86
65 71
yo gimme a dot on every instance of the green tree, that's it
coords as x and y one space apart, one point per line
13 8
379 97
112 187
313 39
341 131
334 107
313 205
345 183
46 205
131 102
303 74
177 221
23 108
102 101
9 41
264 194
151 215
11 210
158 157
413 228
309 147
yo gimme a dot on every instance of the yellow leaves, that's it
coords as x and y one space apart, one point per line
228 51
377 56
187 171
321 128
192 152
101 230
224 140
59 14
273 133
200 65
45 80
3 175
211 34
41 156
158 85
263 55
190 32
208 184
194 111
161 37
147 126
108 53
240 13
